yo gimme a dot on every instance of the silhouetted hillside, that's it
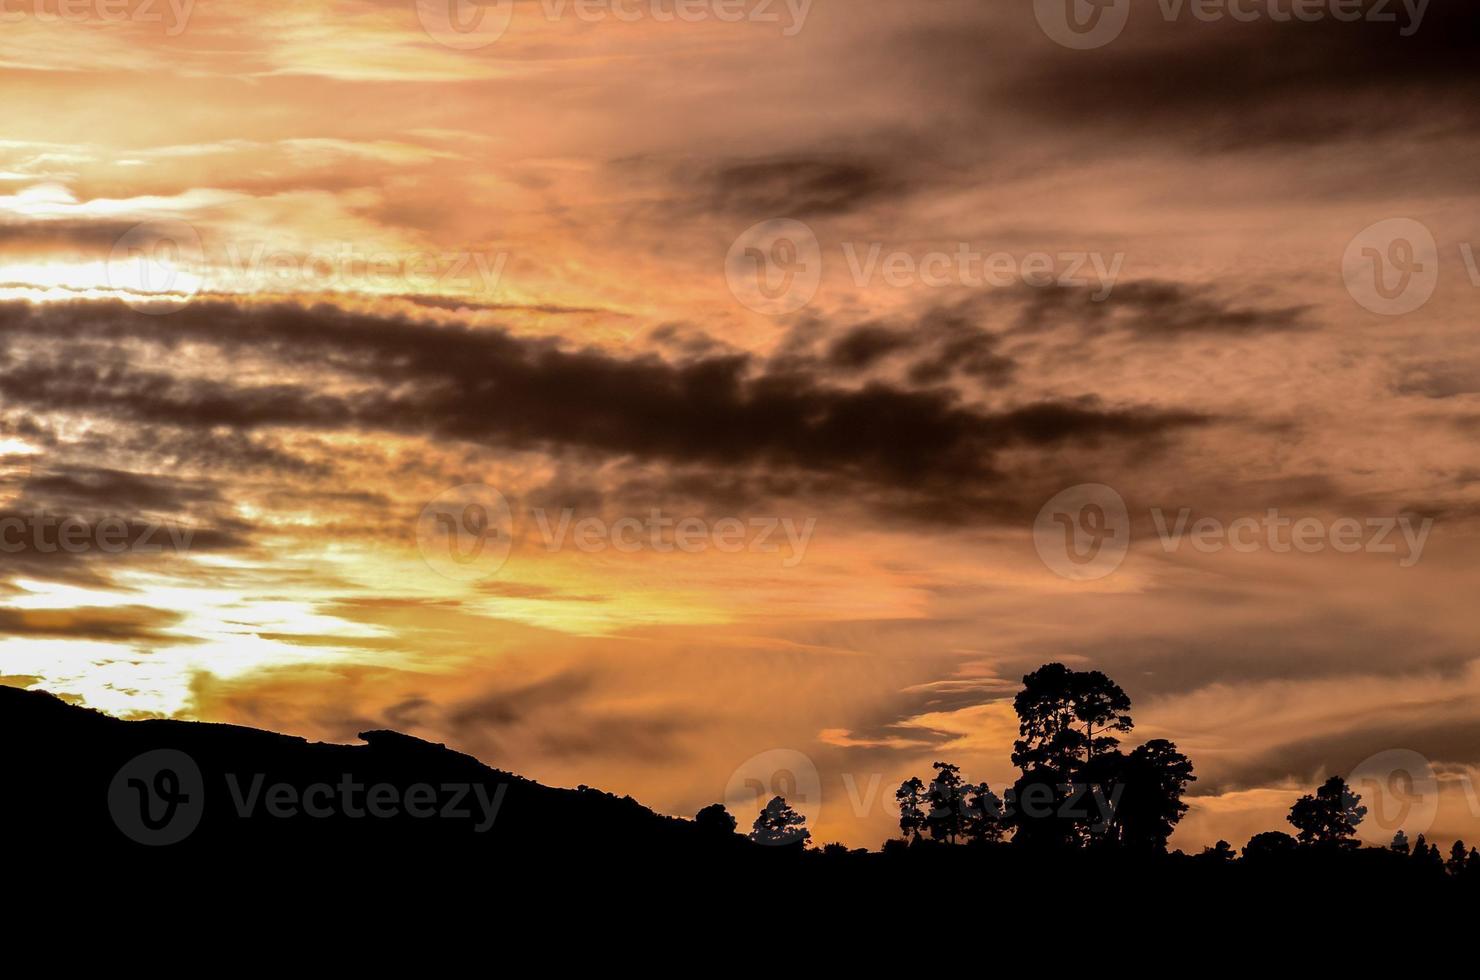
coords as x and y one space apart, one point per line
220 806
186 790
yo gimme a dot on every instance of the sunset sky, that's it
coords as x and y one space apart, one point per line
286 287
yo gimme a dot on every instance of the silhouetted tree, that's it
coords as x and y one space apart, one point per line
1457 856
1065 717
778 825
947 800
714 821
1472 866
895 848
984 815
1219 853
1426 856
911 798
1400 843
1272 845
1037 811
1144 790
1330 817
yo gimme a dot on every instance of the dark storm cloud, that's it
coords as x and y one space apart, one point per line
216 450
1333 642
110 624
799 186
622 737
86 546
94 487
686 341
485 386
72 383
1152 310
965 339
560 713
1212 86
865 346
454 304
1439 381
1228 84
61 236
942 343
497 709
1442 741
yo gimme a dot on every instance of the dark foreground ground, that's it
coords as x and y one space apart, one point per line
200 810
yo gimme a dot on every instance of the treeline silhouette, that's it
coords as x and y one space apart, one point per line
1081 801
170 797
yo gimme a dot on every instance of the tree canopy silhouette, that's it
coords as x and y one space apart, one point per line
715 821
1330 817
911 799
1066 716
778 825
